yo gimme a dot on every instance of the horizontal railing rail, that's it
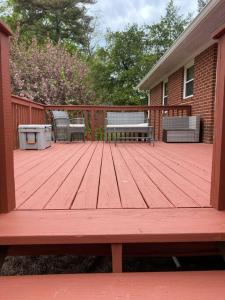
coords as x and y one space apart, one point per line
186 108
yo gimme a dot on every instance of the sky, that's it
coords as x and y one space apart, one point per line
116 14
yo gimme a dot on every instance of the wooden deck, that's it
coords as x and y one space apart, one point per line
105 176
96 193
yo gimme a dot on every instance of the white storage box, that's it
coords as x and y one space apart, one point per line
35 137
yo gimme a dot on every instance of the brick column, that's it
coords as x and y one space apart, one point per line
218 170
7 185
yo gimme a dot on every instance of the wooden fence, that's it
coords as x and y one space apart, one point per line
25 112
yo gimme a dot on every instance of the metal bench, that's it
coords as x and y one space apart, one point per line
181 129
133 123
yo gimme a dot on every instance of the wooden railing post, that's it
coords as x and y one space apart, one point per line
7 185
218 168
93 124
30 113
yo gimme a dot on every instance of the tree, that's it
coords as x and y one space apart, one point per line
49 74
163 34
58 20
202 4
118 67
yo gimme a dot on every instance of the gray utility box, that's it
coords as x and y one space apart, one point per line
35 137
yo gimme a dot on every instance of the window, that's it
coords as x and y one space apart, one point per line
189 81
165 93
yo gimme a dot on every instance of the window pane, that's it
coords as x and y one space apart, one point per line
189 88
190 73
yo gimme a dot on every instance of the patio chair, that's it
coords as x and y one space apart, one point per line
181 129
64 127
132 123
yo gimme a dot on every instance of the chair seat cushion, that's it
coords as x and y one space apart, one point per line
76 125
128 125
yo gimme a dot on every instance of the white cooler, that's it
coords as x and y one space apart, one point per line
35 137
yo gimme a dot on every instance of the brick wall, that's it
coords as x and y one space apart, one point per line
204 91
156 95
175 87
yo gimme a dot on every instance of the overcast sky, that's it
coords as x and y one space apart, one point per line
116 14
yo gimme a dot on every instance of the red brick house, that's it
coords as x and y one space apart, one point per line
186 74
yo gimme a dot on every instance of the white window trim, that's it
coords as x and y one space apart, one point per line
163 96
149 97
185 80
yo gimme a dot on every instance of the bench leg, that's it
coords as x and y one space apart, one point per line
117 258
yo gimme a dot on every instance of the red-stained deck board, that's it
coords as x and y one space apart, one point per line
197 155
65 195
43 195
38 176
108 189
196 194
129 192
32 161
204 173
173 193
87 195
105 176
152 195
206 285
112 226
43 167
189 175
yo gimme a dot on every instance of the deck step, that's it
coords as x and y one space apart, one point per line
206 285
112 226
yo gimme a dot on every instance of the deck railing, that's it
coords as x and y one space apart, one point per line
25 112
29 112
95 116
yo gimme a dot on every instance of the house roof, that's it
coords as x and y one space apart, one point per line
196 38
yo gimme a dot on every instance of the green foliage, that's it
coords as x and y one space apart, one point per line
118 67
163 34
115 69
48 73
59 20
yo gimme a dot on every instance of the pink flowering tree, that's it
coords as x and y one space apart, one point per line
49 74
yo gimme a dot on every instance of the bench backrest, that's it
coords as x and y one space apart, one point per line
179 123
57 114
121 118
